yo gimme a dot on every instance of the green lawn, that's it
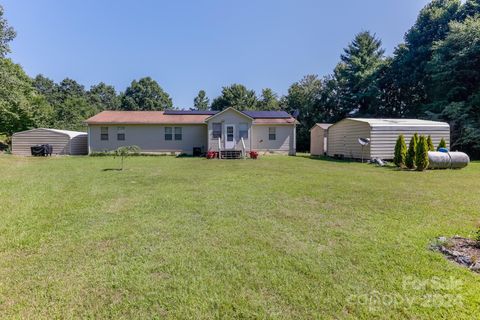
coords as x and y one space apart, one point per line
281 237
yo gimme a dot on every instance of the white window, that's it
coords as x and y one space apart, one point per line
178 133
243 130
168 133
121 133
217 130
104 133
272 133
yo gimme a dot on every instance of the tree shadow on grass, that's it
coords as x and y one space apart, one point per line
328 159
112 169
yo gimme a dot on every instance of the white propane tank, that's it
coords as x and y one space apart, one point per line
447 160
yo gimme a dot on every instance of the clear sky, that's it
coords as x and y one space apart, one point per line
191 45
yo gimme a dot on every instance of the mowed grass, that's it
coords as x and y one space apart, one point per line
280 237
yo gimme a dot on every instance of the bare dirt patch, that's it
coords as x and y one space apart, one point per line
463 251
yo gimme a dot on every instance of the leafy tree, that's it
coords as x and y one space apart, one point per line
268 100
7 34
71 114
237 96
421 156
455 86
442 144
201 101
125 151
20 104
46 87
356 73
145 94
410 159
431 147
69 88
400 152
103 97
304 96
403 85
471 8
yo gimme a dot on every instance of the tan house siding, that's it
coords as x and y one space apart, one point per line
384 139
229 117
61 143
284 142
343 139
149 138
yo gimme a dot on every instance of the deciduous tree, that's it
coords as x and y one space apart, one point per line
145 94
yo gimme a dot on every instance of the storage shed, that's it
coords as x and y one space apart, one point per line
383 133
318 139
63 142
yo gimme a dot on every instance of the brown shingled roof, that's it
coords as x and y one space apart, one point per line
144 117
160 117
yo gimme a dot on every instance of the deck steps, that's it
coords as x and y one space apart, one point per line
230 154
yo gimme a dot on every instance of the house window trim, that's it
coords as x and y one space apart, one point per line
240 131
176 135
104 136
213 130
121 136
168 134
272 136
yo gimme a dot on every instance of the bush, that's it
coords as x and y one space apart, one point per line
431 147
126 151
412 149
400 152
421 157
442 144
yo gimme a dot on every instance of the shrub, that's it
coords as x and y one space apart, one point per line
400 152
412 149
431 147
126 151
421 157
442 144
253 154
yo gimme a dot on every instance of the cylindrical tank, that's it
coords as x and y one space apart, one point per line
447 160
459 160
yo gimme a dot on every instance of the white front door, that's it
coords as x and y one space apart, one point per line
229 136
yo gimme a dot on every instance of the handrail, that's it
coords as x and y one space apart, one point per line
243 148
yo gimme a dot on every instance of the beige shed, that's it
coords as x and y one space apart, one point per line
318 139
383 133
64 142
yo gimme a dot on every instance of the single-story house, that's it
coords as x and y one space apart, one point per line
189 132
343 136
318 139
64 142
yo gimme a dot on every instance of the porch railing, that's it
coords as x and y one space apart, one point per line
244 149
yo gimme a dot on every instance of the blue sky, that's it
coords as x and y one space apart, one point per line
191 45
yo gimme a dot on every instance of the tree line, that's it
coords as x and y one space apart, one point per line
434 74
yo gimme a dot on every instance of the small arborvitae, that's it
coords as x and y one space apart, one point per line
412 149
442 144
431 147
421 159
400 152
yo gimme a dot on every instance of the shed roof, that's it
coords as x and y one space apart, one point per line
324 126
71 134
400 122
